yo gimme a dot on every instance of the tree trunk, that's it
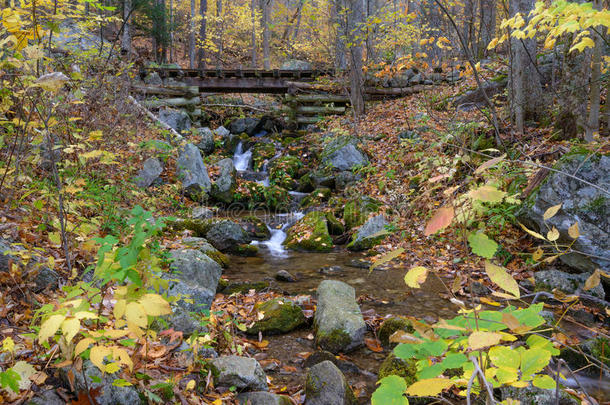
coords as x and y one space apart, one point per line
468 24
203 10
253 16
355 17
338 21
488 25
526 90
266 11
220 33
594 94
171 31
192 37
126 38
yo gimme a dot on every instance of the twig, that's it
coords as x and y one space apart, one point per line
564 364
153 117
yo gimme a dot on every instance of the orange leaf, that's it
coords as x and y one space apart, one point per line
441 219
373 345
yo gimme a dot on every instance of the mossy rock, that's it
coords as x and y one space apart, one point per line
245 250
286 164
232 141
335 227
261 152
310 234
256 227
199 227
210 251
306 183
391 325
279 316
317 197
356 212
243 287
598 348
392 365
253 195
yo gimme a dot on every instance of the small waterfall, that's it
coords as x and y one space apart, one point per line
278 235
241 159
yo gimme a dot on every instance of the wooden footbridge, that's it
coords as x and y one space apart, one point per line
306 100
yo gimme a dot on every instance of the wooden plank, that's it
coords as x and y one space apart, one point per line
321 98
312 110
307 120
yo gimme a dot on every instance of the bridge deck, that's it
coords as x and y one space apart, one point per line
274 81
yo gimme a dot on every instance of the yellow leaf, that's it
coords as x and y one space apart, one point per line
52 81
190 385
155 305
553 235
135 313
593 281
479 340
112 368
492 44
122 355
8 345
537 255
550 213
82 346
573 231
50 326
501 278
97 354
416 276
119 308
429 387
386 258
534 234
85 315
70 328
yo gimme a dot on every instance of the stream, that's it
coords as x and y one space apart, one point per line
382 291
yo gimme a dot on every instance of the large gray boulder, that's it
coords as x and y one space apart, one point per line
176 119
536 396
196 274
206 145
368 235
224 186
566 282
262 398
581 203
247 125
342 153
150 172
327 385
338 322
241 372
222 132
296 64
226 234
192 172
91 378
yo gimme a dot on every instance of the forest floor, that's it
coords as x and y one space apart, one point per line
412 177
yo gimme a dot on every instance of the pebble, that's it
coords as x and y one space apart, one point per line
283 275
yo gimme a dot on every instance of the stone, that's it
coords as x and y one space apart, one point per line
206 145
296 64
192 172
225 235
224 186
338 322
285 276
247 125
391 325
331 270
392 365
475 97
256 227
262 152
42 276
581 203
318 357
278 316
310 234
327 385
356 212
566 282
243 287
536 396
202 213
202 245
262 398
316 197
222 132
241 372
346 158
176 119
368 236
335 227
109 394
150 173
153 79
48 397
346 179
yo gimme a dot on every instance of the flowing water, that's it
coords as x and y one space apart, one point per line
241 158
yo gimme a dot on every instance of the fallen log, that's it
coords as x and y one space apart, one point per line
172 102
312 110
176 136
166 91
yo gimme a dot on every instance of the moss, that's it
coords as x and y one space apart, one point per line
317 197
334 341
256 227
243 288
596 205
600 349
260 152
199 227
335 227
310 233
357 211
245 249
222 284
279 316
314 385
218 257
391 325
306 183
392 365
